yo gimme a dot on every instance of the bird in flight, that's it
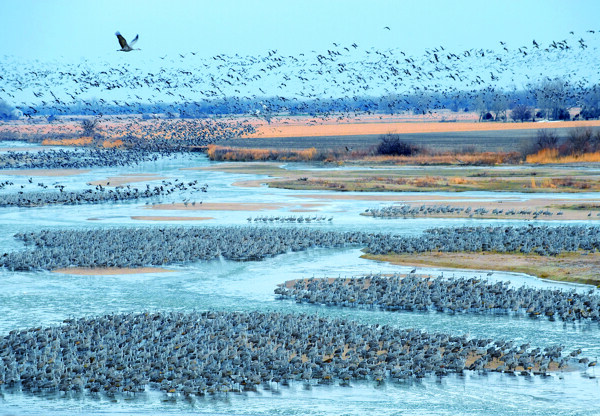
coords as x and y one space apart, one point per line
125 47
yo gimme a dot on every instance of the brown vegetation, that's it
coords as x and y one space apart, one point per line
79 141
571 267
544 156
228 153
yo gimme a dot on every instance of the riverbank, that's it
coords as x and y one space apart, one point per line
566 267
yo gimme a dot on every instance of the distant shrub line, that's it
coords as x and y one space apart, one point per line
580 145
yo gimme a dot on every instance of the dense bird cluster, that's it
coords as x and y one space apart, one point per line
450 295
405 210
72 159
141 142
99 194
137 247
212 352
289 218
542 240
169 136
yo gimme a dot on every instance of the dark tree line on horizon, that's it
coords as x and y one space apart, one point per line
550 99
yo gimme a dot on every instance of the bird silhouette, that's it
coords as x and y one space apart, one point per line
125 47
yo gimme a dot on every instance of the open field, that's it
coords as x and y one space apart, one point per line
364 133
568 267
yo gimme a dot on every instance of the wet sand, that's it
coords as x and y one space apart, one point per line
546 204
127 179
230 206
505 204
159 218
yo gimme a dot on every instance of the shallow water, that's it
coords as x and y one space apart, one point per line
44 298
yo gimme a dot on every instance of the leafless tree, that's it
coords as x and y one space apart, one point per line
89 126
520 112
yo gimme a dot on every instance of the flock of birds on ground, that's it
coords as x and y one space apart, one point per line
271 219
141 141
210 352
541 240
448 295
139 247
72 158
345 78
151 246
407 210
98 194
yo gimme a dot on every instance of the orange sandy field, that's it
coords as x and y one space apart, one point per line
300 128
303 126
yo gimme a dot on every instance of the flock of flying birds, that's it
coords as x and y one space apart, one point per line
349 76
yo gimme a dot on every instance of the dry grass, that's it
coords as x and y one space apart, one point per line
545 156
226 153
570 267
435 183
448 158
80 141
401 179
564 183
112 143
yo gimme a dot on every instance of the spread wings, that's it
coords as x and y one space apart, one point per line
122 40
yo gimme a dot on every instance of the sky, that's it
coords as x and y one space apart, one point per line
75 29
73 44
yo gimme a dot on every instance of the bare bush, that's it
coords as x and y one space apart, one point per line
546 139
391 144
583 140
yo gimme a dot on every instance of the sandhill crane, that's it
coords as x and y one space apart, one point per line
125 47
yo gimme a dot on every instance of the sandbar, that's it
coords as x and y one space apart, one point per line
126 179
159 218
570 267
532 205
379 197
219 206
229 206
